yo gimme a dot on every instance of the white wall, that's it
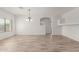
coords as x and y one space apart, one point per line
29 28
56 29
34 27
4 14
71 31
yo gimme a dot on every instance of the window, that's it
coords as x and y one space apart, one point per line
5 25
8 25
1 25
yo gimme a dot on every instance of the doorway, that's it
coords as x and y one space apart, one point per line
47 22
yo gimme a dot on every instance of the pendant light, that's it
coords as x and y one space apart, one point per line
29 17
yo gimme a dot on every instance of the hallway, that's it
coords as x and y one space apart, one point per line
38 44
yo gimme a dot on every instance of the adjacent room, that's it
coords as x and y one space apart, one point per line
39 29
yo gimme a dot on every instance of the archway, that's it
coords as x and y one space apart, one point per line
47 22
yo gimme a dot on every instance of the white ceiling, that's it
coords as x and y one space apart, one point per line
37 10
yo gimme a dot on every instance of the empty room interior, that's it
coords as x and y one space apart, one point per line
39 29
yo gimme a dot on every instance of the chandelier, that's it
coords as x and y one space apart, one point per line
29 17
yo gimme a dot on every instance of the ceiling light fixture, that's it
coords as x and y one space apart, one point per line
29 17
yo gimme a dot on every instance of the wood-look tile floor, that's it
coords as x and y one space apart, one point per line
39 44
